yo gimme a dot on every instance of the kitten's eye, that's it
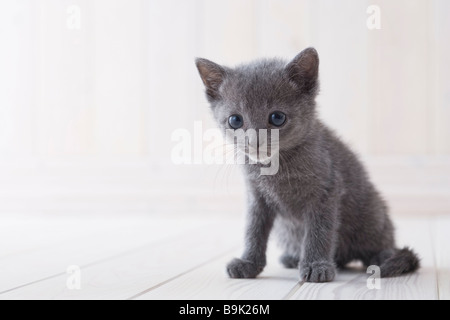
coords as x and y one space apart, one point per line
277 118
236 121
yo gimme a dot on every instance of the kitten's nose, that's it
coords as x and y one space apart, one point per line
253 142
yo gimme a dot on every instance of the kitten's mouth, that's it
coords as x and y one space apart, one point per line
262 160
256 156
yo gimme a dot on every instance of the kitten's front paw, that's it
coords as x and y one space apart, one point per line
322 271
241 269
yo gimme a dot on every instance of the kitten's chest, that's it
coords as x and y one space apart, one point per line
286 192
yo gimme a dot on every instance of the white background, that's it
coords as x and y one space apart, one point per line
86 114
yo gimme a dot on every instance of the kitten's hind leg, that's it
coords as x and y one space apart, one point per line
289 261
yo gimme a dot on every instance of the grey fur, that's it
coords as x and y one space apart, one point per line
322 204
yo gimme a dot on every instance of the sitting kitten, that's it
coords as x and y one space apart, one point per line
321 202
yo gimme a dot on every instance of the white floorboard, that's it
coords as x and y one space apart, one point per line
52 246
138 270
442 255
184 258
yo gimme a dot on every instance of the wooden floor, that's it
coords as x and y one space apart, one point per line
142 257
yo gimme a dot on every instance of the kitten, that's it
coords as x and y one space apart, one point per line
322 204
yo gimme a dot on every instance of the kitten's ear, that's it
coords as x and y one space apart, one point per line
304 71
212 75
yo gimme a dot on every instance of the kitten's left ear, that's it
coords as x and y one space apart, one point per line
212 76
304 71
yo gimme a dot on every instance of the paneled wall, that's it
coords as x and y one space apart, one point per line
103 83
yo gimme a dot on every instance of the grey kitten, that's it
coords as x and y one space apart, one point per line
322 204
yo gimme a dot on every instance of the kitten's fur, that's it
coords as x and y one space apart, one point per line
321 202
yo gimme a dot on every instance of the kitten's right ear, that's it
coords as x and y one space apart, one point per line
212 75
304 71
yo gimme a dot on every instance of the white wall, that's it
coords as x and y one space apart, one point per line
86 114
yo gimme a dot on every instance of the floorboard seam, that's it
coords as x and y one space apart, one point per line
293 291
182 274
433 227
123 254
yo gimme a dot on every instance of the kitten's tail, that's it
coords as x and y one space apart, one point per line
402 261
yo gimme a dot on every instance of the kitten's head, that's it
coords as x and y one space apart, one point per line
266 94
